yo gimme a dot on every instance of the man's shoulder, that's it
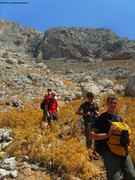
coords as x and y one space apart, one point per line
103 115
99 120
51 102
56 101
118 118
83 104
106 116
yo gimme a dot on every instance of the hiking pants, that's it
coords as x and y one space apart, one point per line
114 163
88 127
44 115
52 117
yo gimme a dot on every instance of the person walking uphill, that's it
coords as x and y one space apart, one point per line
90 110
46 98
52 108
102 131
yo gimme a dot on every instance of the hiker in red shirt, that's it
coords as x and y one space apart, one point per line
52 108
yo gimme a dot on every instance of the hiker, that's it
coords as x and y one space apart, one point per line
46 97
52 108
101 131
90 111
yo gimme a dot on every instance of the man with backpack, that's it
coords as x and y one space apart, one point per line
46 98
102 131
52 108
89 110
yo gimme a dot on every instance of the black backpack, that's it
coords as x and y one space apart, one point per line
42 105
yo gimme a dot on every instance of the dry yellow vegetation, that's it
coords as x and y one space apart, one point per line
59 148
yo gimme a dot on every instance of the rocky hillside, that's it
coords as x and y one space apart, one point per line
22 75
86 44
26 77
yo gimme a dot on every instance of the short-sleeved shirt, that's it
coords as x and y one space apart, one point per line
103 123
52 105
87 106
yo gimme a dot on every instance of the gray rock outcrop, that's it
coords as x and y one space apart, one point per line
130 87
100 87
17 39
84 44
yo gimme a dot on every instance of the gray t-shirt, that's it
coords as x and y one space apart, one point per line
86 106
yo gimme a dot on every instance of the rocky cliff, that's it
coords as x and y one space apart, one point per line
21 75
17 39
84 44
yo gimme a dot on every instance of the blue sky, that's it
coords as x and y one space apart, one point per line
117 15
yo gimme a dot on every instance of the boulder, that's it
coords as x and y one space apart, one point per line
130 88
90 87
8 163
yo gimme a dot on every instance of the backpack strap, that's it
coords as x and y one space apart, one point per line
95 105
117 118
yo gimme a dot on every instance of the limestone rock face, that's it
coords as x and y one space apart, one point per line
17 39
84 43
130 87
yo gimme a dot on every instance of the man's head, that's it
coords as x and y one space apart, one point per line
49 91
90 96
111 103
53 95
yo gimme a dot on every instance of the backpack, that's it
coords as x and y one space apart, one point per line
119 141
49 102
42 105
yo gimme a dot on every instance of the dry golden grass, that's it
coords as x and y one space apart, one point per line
65 154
